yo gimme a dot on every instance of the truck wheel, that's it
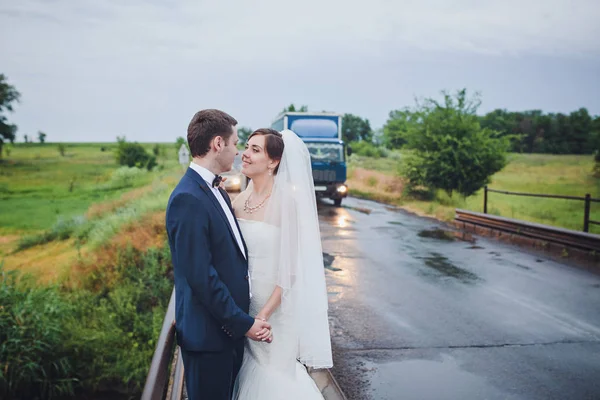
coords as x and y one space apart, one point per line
337 202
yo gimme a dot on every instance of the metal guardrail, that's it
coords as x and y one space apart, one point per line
157 385
587 199
580 240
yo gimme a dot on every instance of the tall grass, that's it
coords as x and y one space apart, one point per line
34 357
529 173
58 342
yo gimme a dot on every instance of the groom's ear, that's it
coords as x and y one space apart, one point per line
218 143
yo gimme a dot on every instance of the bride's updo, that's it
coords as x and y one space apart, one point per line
273 144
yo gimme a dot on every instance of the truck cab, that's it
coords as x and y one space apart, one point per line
322 134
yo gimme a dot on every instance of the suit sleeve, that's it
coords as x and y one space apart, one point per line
189 231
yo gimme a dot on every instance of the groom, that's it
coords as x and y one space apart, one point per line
209 256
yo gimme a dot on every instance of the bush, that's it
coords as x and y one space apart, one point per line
125 177
63 229
367 149
134 155
34 360
56 342
121 311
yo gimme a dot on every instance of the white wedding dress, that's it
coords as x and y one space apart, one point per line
263 374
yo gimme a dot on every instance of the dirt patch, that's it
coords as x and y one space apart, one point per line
8 244
141 235
148 231
46 262
98 209
60 260
375 185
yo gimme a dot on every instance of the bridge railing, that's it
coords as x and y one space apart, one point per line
165 377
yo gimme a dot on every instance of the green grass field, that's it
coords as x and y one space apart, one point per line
529 173
39 186
59 209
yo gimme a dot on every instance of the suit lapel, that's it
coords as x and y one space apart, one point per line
226 197
204 186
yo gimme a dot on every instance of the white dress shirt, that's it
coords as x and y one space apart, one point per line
209 177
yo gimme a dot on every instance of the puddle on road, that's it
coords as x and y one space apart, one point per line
443 266
328 260
413 380
446 235
363 210
525 267
437 233
395 223
475 248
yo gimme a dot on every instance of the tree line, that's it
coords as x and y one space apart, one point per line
527 131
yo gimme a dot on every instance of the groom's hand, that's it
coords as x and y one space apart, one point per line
259 330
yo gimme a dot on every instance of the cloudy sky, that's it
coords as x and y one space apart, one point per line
93 70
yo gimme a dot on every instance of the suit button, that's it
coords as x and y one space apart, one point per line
247 277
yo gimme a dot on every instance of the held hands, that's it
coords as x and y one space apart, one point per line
260 331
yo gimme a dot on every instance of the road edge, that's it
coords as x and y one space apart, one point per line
329 387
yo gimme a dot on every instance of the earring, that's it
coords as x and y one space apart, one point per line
270 172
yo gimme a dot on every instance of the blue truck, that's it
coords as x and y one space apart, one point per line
322 133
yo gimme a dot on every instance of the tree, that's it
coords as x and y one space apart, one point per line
397 127
62 149
178 142
8 95
355 129
244 133
134 155
42 137
292 108
581 127
26 138
533 131
451 150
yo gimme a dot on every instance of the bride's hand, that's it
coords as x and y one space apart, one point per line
257 331
265 335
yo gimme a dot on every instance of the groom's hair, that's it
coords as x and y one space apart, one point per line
205 126
273 144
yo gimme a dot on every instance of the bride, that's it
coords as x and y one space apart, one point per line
277 214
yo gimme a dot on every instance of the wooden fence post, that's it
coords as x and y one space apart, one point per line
586 213
485 194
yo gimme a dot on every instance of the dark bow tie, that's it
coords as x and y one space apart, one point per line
217 181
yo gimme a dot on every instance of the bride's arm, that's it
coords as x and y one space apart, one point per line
271 304
291 251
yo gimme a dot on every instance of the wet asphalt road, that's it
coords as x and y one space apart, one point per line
417 317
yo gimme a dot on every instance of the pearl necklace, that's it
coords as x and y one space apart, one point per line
257 207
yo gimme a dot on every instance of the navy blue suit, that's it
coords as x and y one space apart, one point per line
211 288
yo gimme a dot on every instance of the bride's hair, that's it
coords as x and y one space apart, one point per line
273 144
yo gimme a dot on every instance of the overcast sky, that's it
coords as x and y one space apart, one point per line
93 70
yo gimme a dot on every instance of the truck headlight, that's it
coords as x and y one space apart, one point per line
342 189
